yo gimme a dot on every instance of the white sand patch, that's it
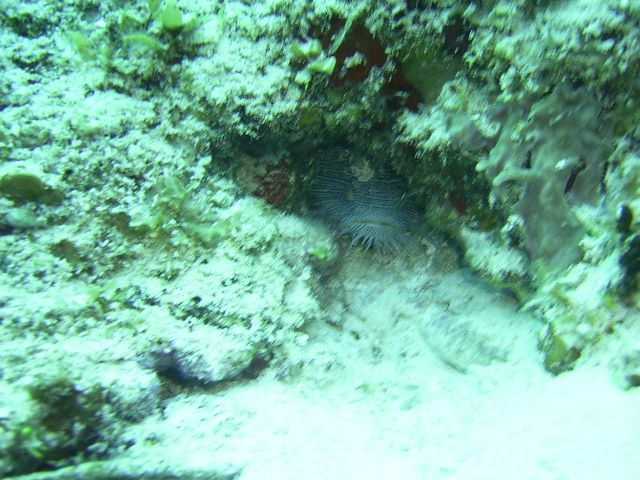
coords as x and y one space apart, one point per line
375 401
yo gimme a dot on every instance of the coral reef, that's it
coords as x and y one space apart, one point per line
557 152
167 168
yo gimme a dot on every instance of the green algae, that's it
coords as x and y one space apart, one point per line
23 187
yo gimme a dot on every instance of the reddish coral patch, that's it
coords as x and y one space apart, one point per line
275 185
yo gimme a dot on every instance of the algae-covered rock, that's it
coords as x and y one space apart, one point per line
18 414
5 146
631 371
23 187
202 354
67 414
66 250
505 266
194 277
559 354
630 261
555 153
22 218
